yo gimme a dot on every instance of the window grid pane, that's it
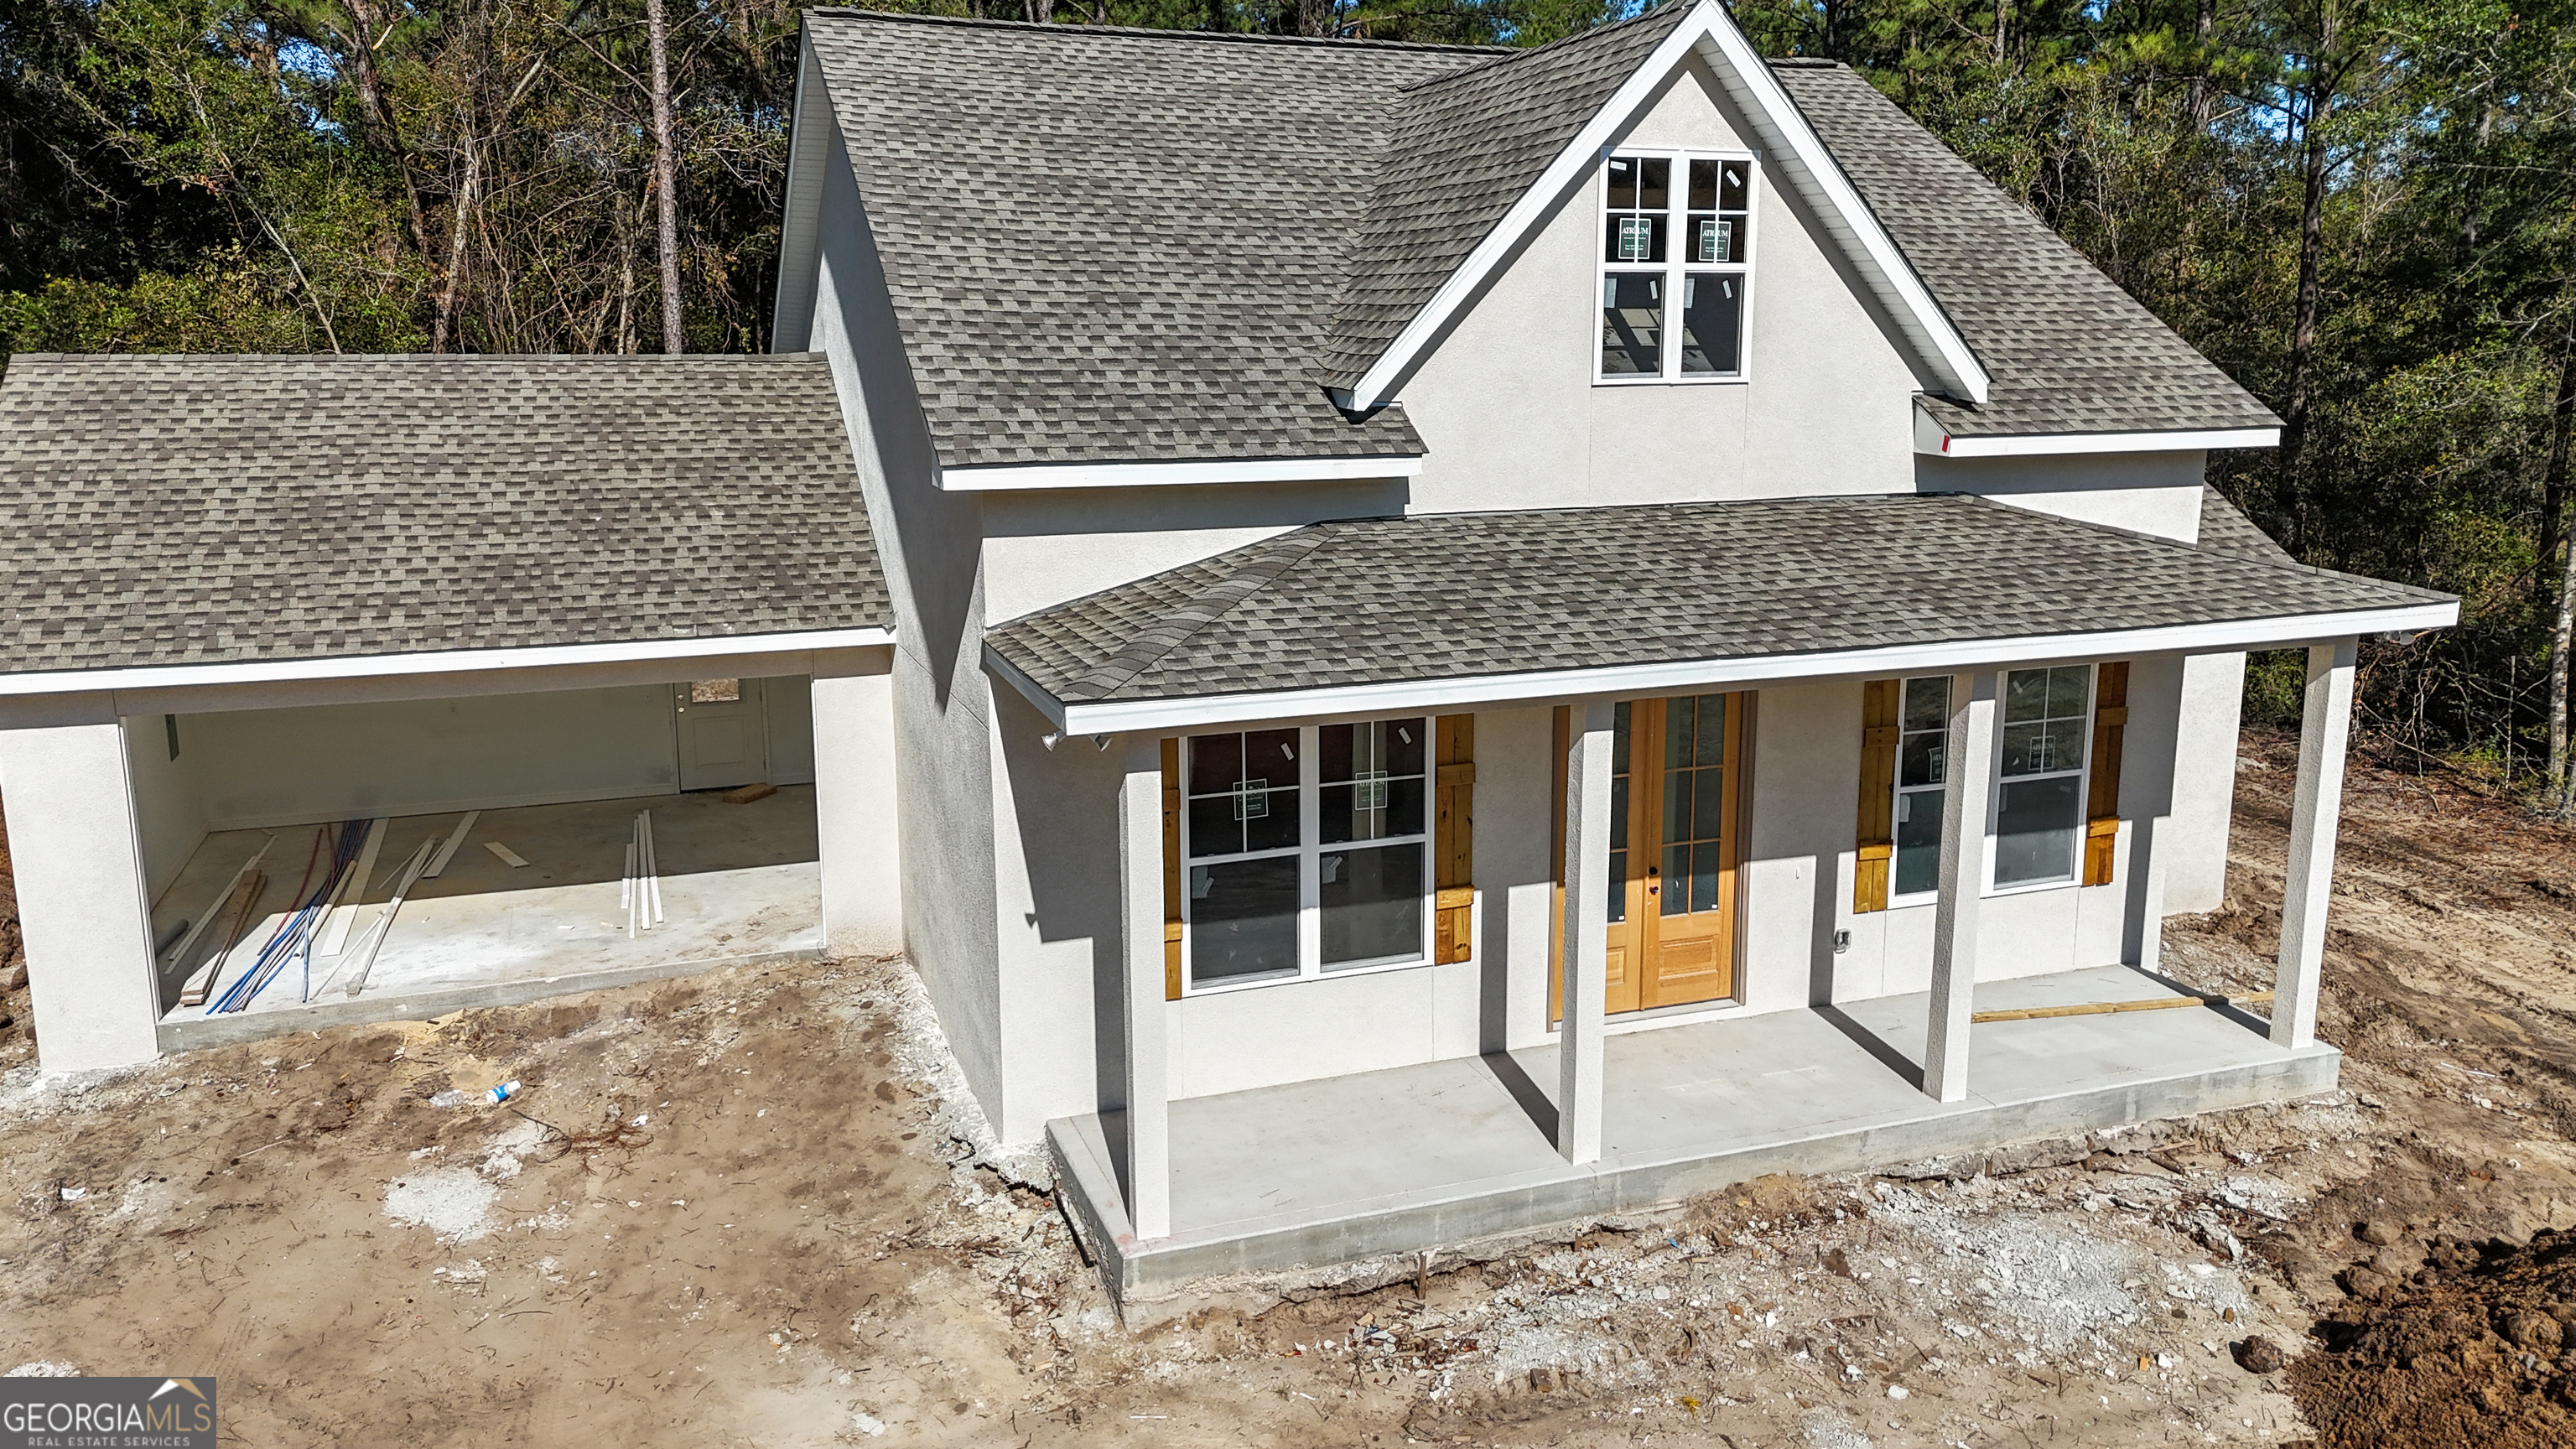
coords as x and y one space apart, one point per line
1923 742
1254 869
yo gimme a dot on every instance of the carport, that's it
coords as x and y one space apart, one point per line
539 621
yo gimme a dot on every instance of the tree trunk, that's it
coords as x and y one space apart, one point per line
2003 21
2319 93
2553 492
458 221
365 20
666 178
1316 18
2204 92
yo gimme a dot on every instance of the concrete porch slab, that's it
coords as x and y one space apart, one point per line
741 885
1396 1161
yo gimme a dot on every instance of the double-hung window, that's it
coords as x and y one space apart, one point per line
1305 851
2039 792
1676 245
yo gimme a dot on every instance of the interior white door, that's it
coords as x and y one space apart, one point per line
724 733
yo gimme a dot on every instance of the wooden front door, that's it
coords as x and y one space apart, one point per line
1676 828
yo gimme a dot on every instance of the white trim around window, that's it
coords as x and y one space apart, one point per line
1671 240
2051 730
1309 852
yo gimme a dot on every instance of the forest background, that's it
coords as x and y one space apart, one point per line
2365 210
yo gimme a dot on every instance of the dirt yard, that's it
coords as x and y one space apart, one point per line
751 1209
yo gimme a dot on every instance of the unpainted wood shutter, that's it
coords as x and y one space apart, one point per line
1453 839
2102 805
1876 857
1171 870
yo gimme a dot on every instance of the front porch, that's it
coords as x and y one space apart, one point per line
1452 1151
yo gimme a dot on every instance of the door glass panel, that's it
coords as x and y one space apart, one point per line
715 691
1618 892
1371 904
1694 802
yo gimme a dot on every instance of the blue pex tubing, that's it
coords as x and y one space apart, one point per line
294 935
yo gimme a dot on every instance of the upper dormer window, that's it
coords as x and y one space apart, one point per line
1661 242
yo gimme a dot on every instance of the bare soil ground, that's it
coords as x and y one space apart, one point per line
752 1208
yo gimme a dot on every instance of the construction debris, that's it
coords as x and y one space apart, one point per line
353 887
447 852
239 912
2101 1008
509 857
749 793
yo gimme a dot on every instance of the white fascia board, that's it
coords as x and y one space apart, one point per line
1706 675
1958 362
1707 25
445 661
1933 440
1151 475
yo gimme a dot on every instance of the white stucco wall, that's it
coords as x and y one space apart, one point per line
169 802
1514 419
930 545
2212 703
2152 493
265 767
1044 547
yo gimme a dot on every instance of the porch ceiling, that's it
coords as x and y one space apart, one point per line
1449 597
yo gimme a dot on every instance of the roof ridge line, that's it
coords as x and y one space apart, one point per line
1155 32
1262 564
1514 54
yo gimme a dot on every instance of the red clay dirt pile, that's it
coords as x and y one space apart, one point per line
2469 1350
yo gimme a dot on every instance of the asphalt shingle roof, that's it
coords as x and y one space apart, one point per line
1459 150
1141 245
1447 596
1108 244
2225 528
159 510
2065 349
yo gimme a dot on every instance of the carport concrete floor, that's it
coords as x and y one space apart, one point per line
739 883
1446 1152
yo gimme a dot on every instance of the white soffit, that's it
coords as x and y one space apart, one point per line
1148 475
799 250
445 661
1788 141
1699 675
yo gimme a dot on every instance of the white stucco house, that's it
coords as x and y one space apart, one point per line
1416 642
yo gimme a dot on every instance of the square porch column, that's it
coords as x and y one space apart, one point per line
2314 810
81 892
854 802
1584 950
1148 1155
1967 774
